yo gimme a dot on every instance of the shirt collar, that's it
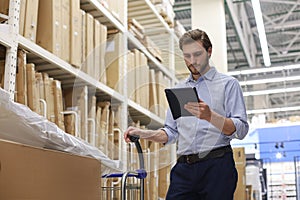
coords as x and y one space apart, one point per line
207 76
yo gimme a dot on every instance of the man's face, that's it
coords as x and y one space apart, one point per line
196 57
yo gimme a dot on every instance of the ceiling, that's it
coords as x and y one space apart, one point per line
282 25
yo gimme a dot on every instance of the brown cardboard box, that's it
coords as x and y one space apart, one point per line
89 44
22 17
75 33
102 53
239 156
21 77
96 51
65 29
31 19
152 93
131 75
4 8
114 60
240 191
34 173
49 30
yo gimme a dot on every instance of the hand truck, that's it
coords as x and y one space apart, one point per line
140 174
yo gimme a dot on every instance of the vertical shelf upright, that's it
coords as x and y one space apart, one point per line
11 51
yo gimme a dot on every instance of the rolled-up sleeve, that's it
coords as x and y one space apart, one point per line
170 128
236 110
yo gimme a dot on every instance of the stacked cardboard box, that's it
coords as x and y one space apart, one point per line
28 17
162 82
164 170
114 61
240 164
145 82
34 88
73 35
117 9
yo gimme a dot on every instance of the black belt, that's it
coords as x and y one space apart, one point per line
215 153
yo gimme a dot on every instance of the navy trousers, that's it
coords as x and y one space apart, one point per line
212 179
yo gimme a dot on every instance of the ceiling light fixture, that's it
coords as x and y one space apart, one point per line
261 32
270 110
264 70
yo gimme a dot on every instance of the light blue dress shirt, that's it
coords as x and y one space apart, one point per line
223 95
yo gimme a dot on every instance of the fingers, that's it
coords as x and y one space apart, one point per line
130 131
198 109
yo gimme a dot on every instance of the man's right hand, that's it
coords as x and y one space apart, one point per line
132 131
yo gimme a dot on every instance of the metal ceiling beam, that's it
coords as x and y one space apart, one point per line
248 47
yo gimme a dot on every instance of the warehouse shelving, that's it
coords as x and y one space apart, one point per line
63 71
137 112
99 12
68 75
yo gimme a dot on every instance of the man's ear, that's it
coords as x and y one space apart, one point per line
209 51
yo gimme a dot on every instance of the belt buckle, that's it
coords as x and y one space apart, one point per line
188 159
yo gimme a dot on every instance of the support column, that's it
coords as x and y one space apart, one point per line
209 16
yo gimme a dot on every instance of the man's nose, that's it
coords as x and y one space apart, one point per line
192 60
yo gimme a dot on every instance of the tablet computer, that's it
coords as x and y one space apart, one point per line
178 97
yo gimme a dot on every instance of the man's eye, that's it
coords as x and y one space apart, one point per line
197 54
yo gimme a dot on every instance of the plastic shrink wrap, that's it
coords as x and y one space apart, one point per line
19 124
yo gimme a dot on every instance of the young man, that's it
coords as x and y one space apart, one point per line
205 168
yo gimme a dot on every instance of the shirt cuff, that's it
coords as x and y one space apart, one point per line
238 134
171 138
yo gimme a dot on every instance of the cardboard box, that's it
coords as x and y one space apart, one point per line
114 61
31 19
33 173
103 34
65 29
21 77
152 93
4 8
240 191
22 17
49 30
75 33
130 75
239 156
89 44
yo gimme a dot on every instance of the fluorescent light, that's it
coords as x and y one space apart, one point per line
271 110
269 80
261 32
263 70
273 91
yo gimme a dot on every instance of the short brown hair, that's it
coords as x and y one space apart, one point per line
195 35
